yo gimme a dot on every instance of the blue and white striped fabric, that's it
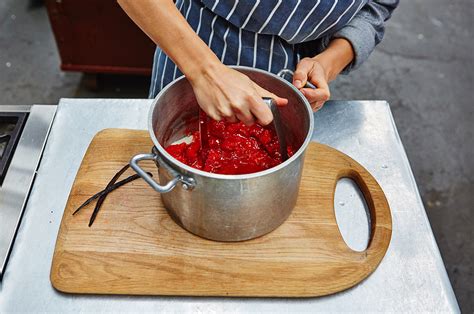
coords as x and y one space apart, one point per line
261 33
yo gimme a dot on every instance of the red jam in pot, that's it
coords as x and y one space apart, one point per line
232 148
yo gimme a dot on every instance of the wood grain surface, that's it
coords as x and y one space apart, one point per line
134 247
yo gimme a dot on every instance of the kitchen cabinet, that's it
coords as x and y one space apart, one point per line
97 36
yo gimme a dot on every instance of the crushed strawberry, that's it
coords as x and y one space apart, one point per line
234 148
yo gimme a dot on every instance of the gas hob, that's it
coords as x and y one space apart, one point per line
11 126
23 134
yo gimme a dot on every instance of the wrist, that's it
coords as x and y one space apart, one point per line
336 57
209 68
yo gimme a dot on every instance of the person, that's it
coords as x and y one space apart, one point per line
318 39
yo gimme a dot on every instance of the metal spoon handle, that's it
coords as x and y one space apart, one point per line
278 125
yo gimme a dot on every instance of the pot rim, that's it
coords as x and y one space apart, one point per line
171 159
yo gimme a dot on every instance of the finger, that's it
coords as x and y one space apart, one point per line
232 119
300 76
260 110
243 115
227 114
247 118
213 114
319 80
314 95
317 105
280 101
317 97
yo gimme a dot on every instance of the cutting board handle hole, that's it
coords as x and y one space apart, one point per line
352 214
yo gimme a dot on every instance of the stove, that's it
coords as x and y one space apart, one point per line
11 125
23 134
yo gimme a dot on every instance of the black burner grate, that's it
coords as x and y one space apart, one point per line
12 124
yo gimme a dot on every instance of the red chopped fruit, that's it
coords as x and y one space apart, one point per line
233 148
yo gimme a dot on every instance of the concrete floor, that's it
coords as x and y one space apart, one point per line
424 68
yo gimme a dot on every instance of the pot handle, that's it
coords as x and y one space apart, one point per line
148 179
284 73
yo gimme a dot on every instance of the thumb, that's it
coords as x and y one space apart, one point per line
280 101
300 77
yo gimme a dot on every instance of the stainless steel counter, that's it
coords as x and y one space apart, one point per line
411 277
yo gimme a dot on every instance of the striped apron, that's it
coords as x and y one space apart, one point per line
266 34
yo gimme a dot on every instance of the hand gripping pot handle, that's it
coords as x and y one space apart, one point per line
188 183
287 74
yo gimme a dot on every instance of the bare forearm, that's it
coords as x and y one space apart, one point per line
336 57
164 24
222 92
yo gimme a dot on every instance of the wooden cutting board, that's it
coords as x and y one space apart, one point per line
134 247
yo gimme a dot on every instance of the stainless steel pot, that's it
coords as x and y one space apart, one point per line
225 207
